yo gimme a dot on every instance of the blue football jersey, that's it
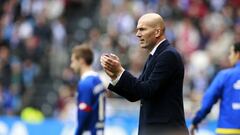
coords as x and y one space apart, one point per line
91 104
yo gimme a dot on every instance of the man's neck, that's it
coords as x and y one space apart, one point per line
85 69
156 46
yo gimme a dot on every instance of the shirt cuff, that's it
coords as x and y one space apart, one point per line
114 82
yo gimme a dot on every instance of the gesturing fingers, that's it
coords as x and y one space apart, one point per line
105 62
115 57
108 62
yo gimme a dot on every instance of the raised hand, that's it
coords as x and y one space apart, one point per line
111 65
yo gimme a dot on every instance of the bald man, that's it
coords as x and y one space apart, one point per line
159 87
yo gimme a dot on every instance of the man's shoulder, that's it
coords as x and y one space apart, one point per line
227 71
170 51
91 79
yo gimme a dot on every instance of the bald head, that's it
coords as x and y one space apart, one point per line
150 30
154 20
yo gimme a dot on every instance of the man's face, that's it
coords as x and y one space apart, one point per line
146 35
233 57
75 64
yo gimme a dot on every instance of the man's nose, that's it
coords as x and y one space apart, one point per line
138 34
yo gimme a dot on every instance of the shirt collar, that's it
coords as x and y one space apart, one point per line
156 46
88 73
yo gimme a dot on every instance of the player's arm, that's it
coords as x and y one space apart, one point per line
84 104
213 93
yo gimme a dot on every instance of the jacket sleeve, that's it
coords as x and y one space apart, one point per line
213 93
133 89
123 92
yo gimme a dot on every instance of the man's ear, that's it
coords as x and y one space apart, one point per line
81 61
238 55
158 32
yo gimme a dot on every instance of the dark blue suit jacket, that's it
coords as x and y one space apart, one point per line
159 88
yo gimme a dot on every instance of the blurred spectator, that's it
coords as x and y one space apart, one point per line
5 70
197 9
29 73
221 38
58 54
66 104
30 49
10 80
237 32
136 62
217 5
199 70
187 39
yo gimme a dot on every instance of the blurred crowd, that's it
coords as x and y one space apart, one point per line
36 38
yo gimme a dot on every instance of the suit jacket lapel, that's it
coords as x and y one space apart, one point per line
147 69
